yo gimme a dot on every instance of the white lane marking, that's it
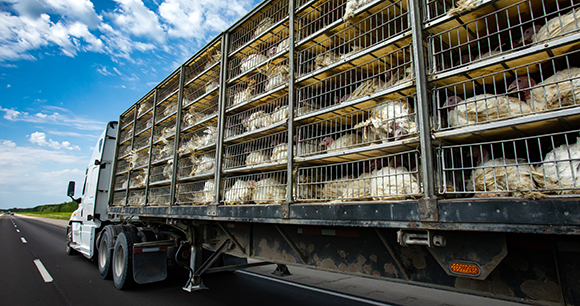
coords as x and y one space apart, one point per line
337 294
23 240
18 230
45 275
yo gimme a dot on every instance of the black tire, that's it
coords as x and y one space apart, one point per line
69 249
146 235
105 253
122 260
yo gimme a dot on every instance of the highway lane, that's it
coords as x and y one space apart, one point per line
76 280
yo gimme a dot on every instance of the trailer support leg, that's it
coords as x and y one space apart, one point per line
281 270
195 282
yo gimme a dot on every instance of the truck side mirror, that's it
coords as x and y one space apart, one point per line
71 189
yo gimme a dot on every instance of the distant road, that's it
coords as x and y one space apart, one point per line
35 270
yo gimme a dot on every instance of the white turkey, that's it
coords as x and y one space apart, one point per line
393 183
280 151
191 117
256 157
280 114
283 46
560 169
554 27
166 132
307 187
212 59
170 108
208 136
143 108
251 61
560 90
137 158
264 25
138 179
500 176
201 164
189 146
244 94
305 107
332 190
346 142
388 120
269 191
168 170
483 108
462 6
208 192
136 199
276 76
367 88
398 78
351 7
256 121
240 193
360 188
211 85
326 59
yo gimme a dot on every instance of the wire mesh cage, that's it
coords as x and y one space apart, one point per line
138 178
145 105
136 198
144 122
392 177
390 120
196 193
126 134
120 182
168 88
259 25
164 130
387 23
119 198
162 150
166 109
196 164
123 150
262 116
264 150
199 111
531 167
209 59
510 93
269 48
201 86
159 196
382 75
127 117
137 159
142 140
323 14
501 31
197 139
270 78
262 188
161 172
122 165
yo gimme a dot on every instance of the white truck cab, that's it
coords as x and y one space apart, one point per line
92 210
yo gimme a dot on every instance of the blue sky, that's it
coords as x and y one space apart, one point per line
69 66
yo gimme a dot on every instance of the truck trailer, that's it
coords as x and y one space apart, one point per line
431 142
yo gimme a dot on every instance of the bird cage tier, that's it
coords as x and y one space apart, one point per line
166 109
390 123
195 193
516 32
127 118
121 182
195 165
366 39
204 111
145 105
159 196
390 177
198 140
168 88
266 84
142 140
539 87
262 188
262 119
119 198
138 178
532 167
263 22
391 75
144 122
266 151
161 173
207 62
201 89
126 133
270 50
136 198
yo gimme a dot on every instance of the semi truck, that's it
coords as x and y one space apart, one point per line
428 142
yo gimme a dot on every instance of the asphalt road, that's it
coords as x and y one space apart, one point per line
76 280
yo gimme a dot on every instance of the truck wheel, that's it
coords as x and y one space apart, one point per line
105 249
123 260
69 249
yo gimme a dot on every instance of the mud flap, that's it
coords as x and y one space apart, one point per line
149 265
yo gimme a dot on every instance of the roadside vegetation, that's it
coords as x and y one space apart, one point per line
52 211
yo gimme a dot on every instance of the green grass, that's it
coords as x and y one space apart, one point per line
50 215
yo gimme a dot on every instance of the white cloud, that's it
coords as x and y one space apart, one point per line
8 86
133 17
21 156
103 70
40 139
66 119
73 134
